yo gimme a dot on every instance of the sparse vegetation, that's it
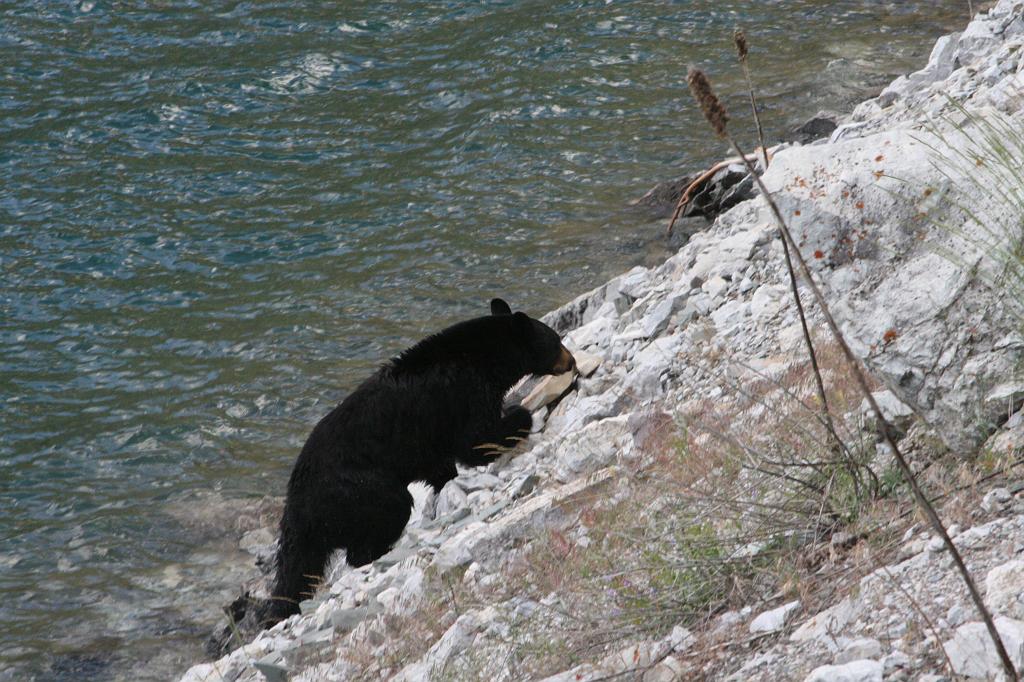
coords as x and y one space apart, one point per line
733 503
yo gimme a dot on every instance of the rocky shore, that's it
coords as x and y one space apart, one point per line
895 210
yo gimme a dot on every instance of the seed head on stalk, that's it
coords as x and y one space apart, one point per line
740 39
713 110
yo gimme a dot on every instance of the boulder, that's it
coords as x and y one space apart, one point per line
973 654
854 671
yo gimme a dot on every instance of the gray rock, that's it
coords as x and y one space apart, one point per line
453 642
833 619
522 485
681 639
775 619
907 319
657 318
995 499
729 316
480 481
1004 589
547 390
586 363
859 649
257 541
594 446
854 671
456 518
493 508
894 661
395 556
482 542
346 619
956 615
897 413
973 654
818 126
451 499
635 657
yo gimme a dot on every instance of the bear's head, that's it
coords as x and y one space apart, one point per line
545 352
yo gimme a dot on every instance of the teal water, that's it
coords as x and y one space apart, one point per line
216 217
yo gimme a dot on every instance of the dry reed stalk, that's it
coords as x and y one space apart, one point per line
714 112
700 82
742 50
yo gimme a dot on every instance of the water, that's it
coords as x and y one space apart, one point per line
216 217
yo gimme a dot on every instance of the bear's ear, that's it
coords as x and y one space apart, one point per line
522 323
499 307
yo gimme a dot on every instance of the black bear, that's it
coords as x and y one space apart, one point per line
437 403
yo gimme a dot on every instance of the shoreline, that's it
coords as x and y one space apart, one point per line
653 329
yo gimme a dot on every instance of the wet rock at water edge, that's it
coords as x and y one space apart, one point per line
819 126
716 195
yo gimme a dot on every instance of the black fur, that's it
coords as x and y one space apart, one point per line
412 420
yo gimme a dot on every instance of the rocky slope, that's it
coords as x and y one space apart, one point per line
908 213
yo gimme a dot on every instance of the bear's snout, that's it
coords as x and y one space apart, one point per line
566 362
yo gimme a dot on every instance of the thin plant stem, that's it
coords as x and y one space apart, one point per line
740 38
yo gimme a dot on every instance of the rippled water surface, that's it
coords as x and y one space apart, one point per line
215 217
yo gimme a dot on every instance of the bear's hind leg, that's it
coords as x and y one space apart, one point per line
362 512
371 520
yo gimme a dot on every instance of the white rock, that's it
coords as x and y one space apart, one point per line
597 332
480 480
549 388
893 409
956 615
742 244
1004 589
669 670
451 498
995 498
454 641
854 671
715 287
973 654
635 283
636 657
594 446
820 626
775 619
585 410
681 639
767 300
485 542
257 540
586 363
977 41
730 315
658 316
859 649
896 659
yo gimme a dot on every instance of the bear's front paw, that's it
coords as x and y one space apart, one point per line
518 422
